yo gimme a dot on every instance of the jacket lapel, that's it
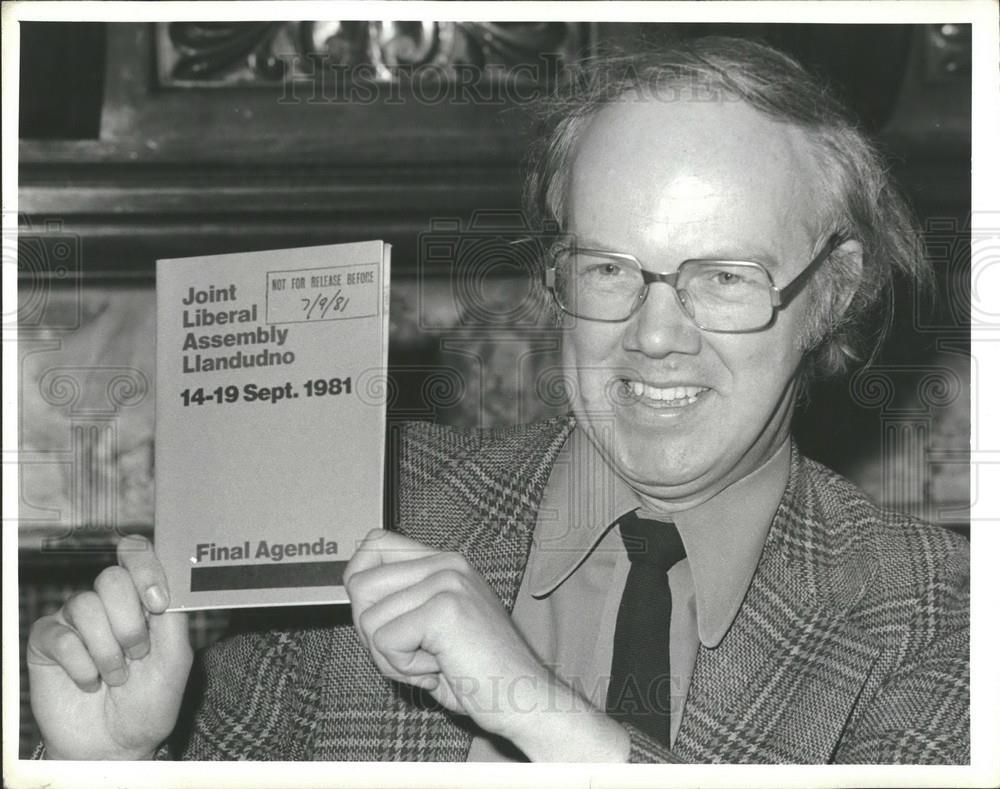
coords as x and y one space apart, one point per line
783 682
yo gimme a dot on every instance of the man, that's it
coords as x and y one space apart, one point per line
726 232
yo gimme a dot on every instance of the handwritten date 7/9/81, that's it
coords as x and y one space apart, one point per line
254 393
321 304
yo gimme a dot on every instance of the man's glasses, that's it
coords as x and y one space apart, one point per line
731 296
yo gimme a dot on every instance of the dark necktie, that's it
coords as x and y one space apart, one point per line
639 687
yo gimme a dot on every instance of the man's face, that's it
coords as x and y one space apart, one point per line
668 182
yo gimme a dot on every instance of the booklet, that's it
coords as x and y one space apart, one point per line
270 421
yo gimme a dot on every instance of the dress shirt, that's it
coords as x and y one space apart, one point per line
575 575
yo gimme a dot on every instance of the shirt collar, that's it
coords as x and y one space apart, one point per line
583 499
723 537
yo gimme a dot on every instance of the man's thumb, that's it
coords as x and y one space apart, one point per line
169 639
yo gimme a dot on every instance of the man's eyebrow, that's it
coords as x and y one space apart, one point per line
583 241
749 252
755 254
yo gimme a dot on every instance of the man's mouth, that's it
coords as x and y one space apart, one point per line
665 396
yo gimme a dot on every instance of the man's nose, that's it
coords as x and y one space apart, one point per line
661 326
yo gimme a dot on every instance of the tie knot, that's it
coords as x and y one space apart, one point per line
651 541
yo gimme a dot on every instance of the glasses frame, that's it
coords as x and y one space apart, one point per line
780 297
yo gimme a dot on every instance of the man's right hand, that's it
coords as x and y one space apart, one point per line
108 669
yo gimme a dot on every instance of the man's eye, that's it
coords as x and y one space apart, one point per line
603 270
728 278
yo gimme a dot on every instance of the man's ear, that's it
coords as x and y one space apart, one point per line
849 258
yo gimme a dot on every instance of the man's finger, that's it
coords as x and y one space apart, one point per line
384 547
52 643
400 641
373 584
404 597
136 555
121 603
86 615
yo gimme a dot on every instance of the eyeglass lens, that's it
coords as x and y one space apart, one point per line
717 295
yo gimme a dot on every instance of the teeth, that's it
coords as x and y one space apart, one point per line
672 394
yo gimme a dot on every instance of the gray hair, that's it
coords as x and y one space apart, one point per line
864 203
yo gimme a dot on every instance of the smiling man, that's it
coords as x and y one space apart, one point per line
689 386
660 576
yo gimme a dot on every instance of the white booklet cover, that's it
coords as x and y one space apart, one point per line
270 421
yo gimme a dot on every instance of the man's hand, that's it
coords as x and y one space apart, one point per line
430 620
108 669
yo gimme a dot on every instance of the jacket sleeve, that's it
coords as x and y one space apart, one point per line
242 699
917 711
240 696
643 749
162 753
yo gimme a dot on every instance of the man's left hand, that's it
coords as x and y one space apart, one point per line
431 620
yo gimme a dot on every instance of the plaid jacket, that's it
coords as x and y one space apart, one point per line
850 647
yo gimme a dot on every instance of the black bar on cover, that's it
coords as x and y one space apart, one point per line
267 576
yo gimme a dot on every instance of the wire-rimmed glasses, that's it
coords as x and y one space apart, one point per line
730 296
